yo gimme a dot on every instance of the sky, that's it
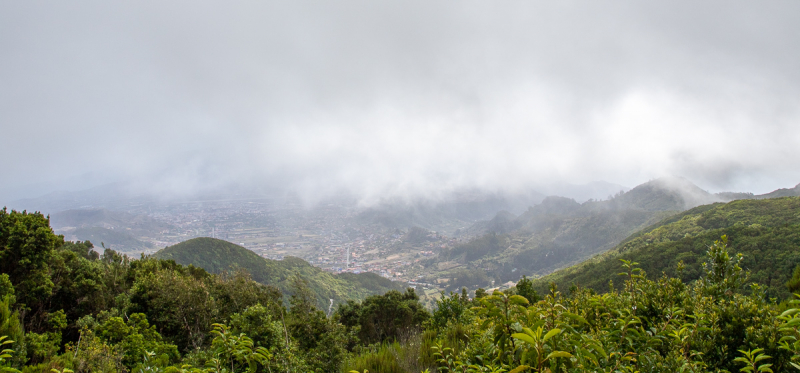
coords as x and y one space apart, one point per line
397 98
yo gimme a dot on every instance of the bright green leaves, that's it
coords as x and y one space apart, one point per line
791 330
235 352
556 354
724 273
501 312
138 339
538 343
632 271
552 333
751 360
518 300
5 355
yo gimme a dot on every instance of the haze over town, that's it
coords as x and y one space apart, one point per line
399 186
397 99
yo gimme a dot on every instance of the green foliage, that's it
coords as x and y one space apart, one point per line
765 232
560 231
499 311
218 256
322 340
5 355
451 308
383 359
236 352
793 285
138 340
83 249
259 323
11 327
116 314
26 246
661 325
541 350
382 318
180 305
751 360
6 288
525 289
723 272
93 354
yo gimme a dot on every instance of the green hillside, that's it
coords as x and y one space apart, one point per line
217 256
560 232
766 232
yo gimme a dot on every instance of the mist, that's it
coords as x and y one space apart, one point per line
396 99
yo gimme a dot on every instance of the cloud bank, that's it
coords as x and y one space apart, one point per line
397 98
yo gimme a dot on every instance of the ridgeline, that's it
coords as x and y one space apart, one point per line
217 256
766 232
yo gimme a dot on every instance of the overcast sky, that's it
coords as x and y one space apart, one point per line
386 98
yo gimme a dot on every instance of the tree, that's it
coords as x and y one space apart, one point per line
525 289
137 338
26 246
384 317
449 308
724 273
794 283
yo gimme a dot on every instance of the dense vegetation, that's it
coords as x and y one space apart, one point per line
217 256
718 323
66 308
766 232
559 232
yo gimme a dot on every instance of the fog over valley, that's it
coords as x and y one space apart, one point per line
517 186
403 134
396 100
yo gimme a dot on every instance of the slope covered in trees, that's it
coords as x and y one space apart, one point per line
65 308
560 232
217 256
766 231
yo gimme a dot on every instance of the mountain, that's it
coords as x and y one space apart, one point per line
596 190
783 192
448 215
559 232
665 194
107 219
765 231
503 222
217 256
112 196
121 231
109 238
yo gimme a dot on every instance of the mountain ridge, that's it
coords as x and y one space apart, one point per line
218 256
766 231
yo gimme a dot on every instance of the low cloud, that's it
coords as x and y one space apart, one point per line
397 98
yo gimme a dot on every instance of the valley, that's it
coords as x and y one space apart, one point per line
472 240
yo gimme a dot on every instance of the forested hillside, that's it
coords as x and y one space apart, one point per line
217 256
765 231
64 308
560 232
